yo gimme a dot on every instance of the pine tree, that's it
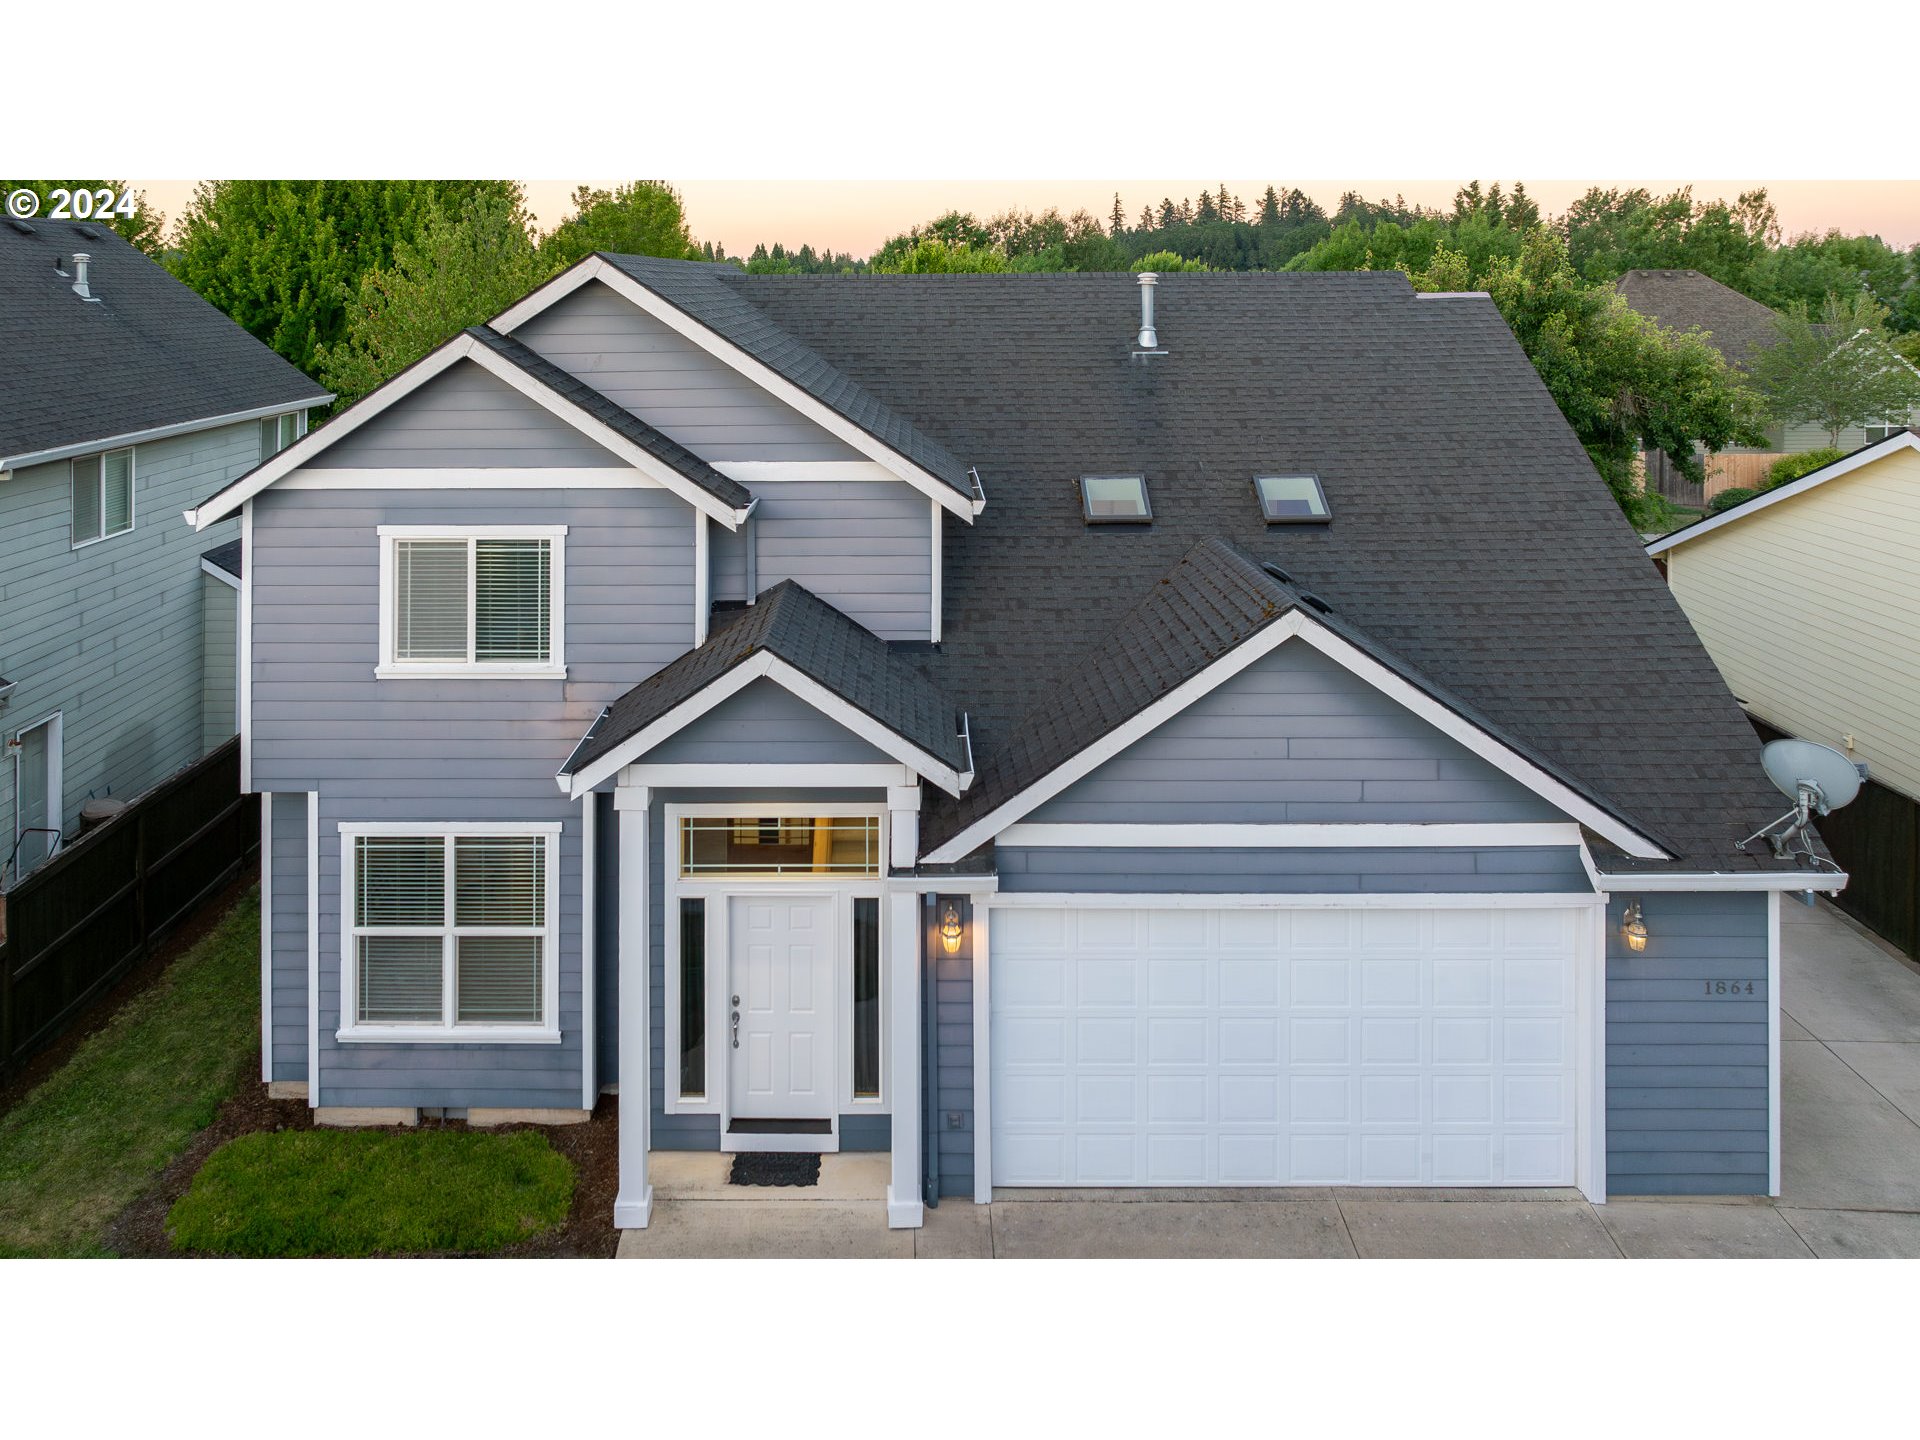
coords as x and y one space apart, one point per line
1205 209
1270 207
1146 217
1119 220
1225 202
1169 213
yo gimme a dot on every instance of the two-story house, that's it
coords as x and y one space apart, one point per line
123 398
957 717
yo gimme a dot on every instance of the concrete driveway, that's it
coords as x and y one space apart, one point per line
1850 1179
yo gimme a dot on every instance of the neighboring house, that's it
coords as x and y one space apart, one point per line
1738 327
123 397
1808 599
898 714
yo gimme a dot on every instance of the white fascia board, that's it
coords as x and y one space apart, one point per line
764 665
1829 882
10 463
209 568
1295 623
501 477
1258 837
1892 445
461 347
768 777
731 355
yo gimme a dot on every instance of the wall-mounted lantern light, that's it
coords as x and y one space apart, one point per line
951 930
1633 929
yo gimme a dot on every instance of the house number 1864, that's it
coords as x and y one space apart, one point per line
1726 987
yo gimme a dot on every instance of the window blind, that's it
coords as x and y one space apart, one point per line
500 979
510 600
430 592
399 978
402 880
86 499
117 503
499 880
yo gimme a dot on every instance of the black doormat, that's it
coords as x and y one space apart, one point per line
759 1167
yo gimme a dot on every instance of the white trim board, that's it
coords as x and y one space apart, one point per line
1363 900
461 347
439 477
767 777
1327 836
26 459
266 939
207 567
1773 1044
764 665
1627 882
1879 450
1294 624
731 355
313 948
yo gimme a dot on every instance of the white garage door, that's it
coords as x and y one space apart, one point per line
1274 1047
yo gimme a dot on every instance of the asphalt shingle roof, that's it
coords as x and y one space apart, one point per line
616 417
702 292
230 557
1736 325
150 354
793 623
1470 537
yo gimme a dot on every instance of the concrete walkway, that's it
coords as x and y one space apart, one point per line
1850 1173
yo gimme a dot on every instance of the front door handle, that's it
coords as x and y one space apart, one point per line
736 1025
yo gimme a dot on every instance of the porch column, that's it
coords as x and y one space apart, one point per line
904 921
633 1205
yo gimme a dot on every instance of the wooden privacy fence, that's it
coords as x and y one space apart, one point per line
1876 840
95 910
1732 470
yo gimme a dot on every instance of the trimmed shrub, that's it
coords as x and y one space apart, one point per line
1727 499
1789 468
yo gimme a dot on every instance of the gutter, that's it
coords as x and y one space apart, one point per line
9 463
1830 882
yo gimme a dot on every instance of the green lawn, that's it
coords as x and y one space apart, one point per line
365 1192
82 1147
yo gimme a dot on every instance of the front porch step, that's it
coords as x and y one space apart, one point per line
681 1175
794 1136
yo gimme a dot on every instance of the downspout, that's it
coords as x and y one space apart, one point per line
929 1058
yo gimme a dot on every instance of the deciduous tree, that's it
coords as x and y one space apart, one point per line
1836 369
641 218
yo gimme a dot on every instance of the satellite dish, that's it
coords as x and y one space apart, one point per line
1831 776
1817 778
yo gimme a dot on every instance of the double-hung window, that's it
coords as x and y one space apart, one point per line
1884 429
102 496
483 602
452 932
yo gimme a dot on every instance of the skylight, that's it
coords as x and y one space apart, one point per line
1115 499
1292 499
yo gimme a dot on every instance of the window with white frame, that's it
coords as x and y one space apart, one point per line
452 934
277 432
102 496
1884 429
484 601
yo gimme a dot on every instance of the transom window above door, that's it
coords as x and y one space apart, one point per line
822 846
484 602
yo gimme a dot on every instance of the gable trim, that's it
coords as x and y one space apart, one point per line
1293 623
1260 837
461 347
731 355
765 665
1879 450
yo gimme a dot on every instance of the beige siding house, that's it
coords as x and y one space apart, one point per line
1808 599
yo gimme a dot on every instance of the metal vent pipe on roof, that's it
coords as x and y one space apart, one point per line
81 262
1149 340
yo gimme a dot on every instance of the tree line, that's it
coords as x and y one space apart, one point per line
354 280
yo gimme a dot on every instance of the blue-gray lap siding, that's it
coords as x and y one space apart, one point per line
438 750
952 1078
765 724
1687 1063
673 384
287 886
1329 871
1296 739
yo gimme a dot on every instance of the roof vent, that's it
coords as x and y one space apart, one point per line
1307 597
1148 340
22 226
81 263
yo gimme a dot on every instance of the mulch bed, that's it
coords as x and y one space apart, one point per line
593 1148
142 977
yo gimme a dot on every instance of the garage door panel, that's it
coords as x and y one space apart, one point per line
1260 1047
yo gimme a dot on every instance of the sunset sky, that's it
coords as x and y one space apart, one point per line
857 215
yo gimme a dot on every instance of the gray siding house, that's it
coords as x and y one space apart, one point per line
925 715
126 398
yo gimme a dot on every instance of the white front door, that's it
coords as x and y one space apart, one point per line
1268 1047
780 1006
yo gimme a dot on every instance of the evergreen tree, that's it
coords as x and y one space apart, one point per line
1269 208
1146 217
1169 213
1119 219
